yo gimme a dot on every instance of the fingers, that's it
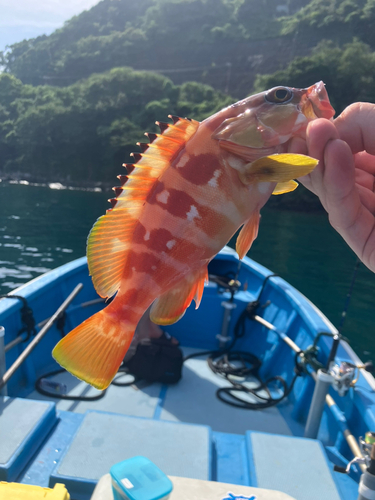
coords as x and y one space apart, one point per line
356 126
333 180
367 198
338 183
319 133
297 146
365 162
349 209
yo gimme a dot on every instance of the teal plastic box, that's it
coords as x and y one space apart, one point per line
139 479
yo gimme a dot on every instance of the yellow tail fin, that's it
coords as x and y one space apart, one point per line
93 351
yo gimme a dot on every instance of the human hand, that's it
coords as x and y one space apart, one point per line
344 180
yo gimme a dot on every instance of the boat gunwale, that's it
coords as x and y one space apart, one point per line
314 319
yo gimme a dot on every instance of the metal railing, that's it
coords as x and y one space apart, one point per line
5 375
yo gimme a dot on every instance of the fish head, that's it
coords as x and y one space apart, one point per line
271 118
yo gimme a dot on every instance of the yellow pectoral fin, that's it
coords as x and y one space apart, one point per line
171 306
247 235
285 187
277 168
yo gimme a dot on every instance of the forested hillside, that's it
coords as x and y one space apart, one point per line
73 104
220 42
337 20
84 132
224 43
347 71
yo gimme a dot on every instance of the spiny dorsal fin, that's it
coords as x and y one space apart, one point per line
143 146
110 238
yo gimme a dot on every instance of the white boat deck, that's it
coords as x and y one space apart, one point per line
191 400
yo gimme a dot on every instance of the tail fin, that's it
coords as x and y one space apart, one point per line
94 350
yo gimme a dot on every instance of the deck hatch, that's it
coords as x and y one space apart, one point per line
24 425
293 465
105 439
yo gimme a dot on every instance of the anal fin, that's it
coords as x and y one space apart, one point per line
247 235
171 306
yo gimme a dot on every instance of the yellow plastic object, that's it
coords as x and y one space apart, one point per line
15 491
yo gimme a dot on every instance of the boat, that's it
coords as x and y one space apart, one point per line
296 424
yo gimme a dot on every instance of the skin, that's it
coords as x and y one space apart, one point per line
344 180
147 329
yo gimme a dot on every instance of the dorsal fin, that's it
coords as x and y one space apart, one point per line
110 238
143 146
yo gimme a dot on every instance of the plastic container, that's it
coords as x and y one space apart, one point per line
16 491
139 479
53 386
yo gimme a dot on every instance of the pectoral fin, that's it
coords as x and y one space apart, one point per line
278 168
285 187
247 235
171 306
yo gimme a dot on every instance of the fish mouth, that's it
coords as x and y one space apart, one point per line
315 103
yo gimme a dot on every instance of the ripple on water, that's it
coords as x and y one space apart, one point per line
39 270
13 245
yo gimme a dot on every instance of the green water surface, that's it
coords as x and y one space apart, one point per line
42 228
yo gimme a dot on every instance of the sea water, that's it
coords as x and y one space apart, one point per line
44 227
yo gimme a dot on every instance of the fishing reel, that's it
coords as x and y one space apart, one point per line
231 285
366 446
346 375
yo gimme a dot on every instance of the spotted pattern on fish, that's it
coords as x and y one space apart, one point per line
186 194
198 169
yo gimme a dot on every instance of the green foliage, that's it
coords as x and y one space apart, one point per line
148 34
340 20
348 72
84 132
71 107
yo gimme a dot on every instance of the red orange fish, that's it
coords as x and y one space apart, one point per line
188 192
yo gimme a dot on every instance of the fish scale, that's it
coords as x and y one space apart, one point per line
187 192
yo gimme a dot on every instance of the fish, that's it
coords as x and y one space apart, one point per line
190 188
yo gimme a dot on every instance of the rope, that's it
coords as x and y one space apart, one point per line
27 316
233 365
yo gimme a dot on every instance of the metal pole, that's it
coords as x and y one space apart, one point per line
3 390
341 420
16 341
322 384
8 374
223 337
366 490
42 323
283 336
350 439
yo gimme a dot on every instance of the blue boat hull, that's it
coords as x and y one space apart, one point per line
235 437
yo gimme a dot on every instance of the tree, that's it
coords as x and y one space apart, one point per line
84 132
348 72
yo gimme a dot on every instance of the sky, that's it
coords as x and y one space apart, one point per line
20 19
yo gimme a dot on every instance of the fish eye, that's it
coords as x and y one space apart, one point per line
279 95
